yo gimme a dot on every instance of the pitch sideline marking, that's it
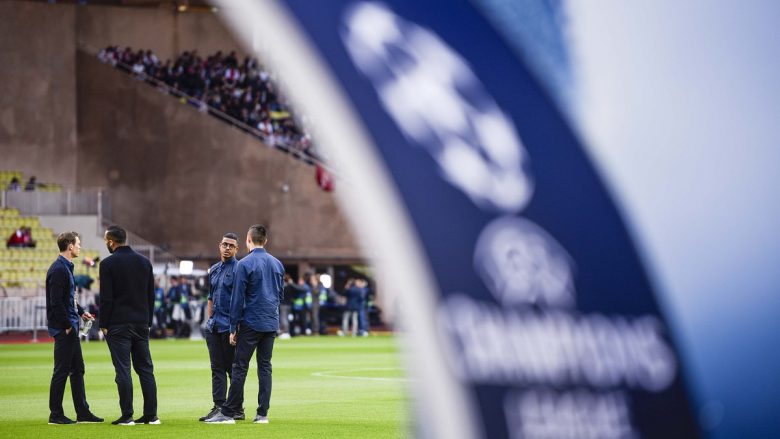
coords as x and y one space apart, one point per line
333 374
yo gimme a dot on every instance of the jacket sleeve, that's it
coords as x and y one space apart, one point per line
150 294
106 296
58 294
280 286
238 297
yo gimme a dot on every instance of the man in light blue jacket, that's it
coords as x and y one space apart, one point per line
254 322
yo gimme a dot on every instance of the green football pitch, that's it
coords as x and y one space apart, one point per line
323 387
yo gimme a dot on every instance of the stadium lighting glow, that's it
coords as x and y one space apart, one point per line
185 267
326 280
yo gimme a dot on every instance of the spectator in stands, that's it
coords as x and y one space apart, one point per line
15 185
32 184
27 239
16 239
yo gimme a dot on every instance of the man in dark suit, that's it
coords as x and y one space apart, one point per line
126 310
62 315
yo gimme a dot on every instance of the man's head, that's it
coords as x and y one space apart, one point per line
69 244
228 247
256 237
114 237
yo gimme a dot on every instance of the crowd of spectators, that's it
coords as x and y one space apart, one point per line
15 185
221 84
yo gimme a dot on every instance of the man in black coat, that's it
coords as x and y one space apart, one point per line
62 316
126 310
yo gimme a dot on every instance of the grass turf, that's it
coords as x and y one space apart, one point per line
323 387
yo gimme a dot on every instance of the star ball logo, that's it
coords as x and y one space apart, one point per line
439 104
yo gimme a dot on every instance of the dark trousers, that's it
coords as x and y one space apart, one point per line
221 354
124 342
248 340
68 362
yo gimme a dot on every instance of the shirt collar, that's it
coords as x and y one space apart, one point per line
228 262
68 263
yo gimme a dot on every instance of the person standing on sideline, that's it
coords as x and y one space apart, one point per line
62 316
126 310
254 320
222 276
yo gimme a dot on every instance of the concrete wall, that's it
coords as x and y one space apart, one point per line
38 99
181 178
85 225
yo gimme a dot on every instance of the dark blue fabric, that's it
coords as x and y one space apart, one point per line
355 298
221 279
60 297
257 292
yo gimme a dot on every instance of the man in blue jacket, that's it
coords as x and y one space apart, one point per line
62 315
254 321
222 276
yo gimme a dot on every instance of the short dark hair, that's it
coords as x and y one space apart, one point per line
116 234
230 235
65 239
258 234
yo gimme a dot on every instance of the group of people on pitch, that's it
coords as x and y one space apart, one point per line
243 309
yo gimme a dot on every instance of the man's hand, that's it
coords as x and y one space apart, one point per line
87 316
104 330
67 331
233 339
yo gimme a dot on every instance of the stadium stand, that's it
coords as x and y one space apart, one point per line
239 93
7 177
25 267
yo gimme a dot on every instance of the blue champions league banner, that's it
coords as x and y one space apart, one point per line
553 327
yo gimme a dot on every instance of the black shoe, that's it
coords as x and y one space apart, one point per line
124 420
89 418
60 420
240 416
214 411
152 420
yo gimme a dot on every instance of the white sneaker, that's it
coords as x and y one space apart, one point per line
260 420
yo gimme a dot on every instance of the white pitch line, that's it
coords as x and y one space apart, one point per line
332 374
